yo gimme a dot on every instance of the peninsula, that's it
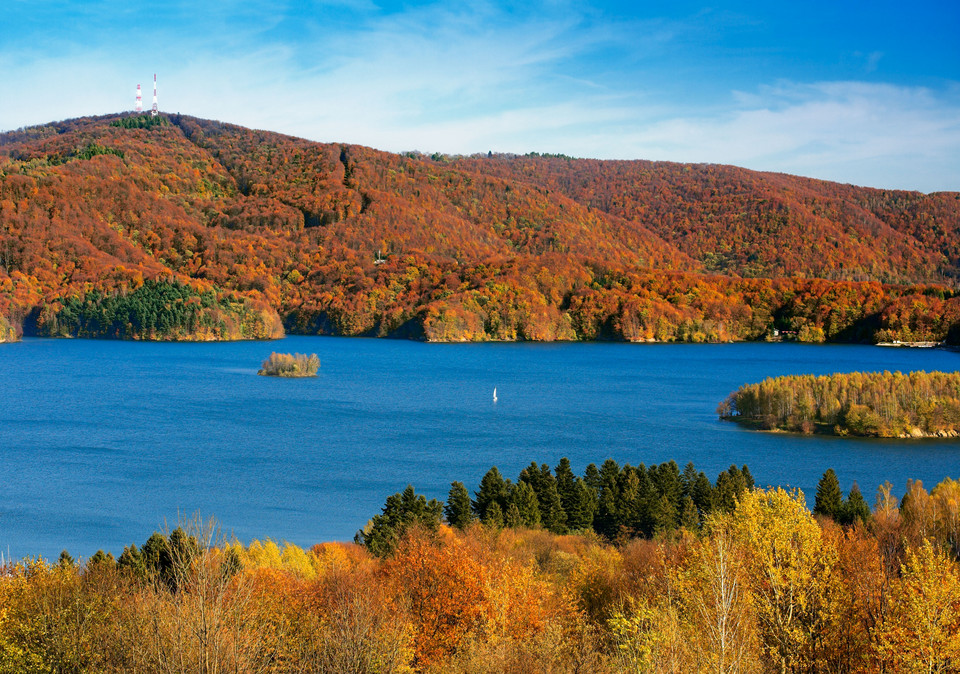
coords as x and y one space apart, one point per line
878 404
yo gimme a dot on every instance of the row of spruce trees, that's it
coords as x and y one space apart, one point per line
615 502
165 558
830 502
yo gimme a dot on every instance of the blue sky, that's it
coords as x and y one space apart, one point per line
865 93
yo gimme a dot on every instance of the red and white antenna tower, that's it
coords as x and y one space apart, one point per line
153 111
139 100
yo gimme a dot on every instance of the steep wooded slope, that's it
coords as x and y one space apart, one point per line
236 228
733 220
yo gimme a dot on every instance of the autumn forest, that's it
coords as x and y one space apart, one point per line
600 573
180 228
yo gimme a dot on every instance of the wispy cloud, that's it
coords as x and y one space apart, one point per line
872 134
467 78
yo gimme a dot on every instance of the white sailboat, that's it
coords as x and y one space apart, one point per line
494 394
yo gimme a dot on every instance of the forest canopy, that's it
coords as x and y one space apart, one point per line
879 404
765 585
339 239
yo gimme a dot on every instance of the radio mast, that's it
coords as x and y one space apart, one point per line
139 101
154 112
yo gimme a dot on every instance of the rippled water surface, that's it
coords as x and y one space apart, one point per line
103 442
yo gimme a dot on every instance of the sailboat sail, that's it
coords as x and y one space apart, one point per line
494 394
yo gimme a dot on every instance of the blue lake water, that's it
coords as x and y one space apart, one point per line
103 442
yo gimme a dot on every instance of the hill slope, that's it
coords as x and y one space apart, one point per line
180 228
743 222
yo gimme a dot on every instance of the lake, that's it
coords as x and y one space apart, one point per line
103 442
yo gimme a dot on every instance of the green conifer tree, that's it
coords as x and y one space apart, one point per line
592 477
100 558
829 497
552 515
131 560
607 520
855 508
525 499
730 485
458 507
630 509
689 517
513 519
493 489
400 512
566 484
609 474
584 507
688 478
702 494
155 554
494 517
663 514
666 480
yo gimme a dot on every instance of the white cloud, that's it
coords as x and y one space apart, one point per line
871 134
475 79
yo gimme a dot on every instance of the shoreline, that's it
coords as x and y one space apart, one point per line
826 430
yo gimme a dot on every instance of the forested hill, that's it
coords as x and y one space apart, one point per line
181 228
736 221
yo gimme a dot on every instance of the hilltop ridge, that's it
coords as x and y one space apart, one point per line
335 238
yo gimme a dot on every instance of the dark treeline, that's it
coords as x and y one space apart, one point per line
858 403
140 122
164 558
162 309
618 503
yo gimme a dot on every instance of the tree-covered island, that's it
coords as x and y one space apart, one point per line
877 404
290 365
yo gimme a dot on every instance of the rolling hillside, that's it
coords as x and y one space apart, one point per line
181 228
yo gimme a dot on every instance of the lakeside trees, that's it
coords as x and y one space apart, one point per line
762 587
8 333
162 310
859 403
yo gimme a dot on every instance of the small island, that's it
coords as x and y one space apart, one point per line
866 404
290 365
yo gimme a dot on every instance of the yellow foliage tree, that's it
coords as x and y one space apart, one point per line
715 589
922 632
789 568
648 637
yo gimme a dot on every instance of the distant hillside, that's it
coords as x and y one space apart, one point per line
246 228
735 221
